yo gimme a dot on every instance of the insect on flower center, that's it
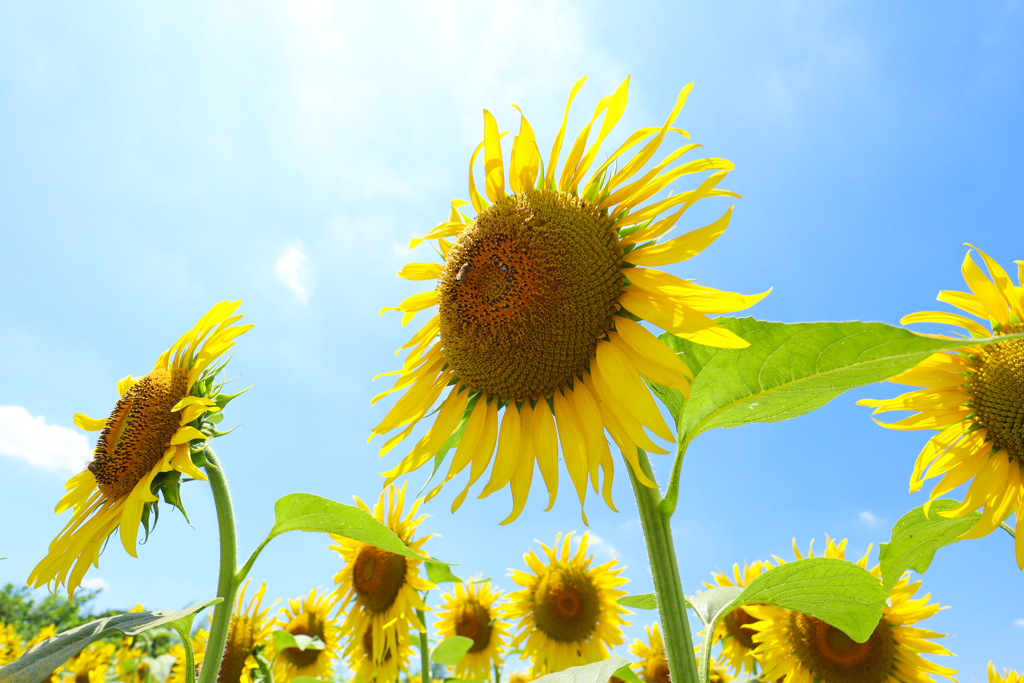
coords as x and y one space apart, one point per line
377 576
566 605
997 393
138 431
473 620
734 623
834 657
526 293
305 624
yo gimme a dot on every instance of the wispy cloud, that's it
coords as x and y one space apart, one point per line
95 583
49 447
869 520
1018 622
596 544
291 271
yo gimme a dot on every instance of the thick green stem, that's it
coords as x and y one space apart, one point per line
424 648
227 584
675 625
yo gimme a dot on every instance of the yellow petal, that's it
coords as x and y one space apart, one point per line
478 202
592 428
494 167
523 474
615 106
652 370
471 437
1003 283
571 437
963 301
549 181
186 434
444 424
946 319
681 320
681 248
697 297
986 292
508 451
442 230
525 164
545 444
416 302
421 271
89 424
621 375
124 384
483 451
642 157
617 414
415 403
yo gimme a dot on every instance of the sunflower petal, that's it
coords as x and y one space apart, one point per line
679 319
89 424
681 248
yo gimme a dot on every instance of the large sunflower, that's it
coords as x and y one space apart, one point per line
1007 677
143 447
567 609
308 616
384 589
472 612
737 643
539 299
798 648
974 399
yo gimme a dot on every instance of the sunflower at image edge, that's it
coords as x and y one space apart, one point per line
798 648
567 610
249 627
974 399
737 643
473 611
308 616
1007 677
539 300
383 588
143 448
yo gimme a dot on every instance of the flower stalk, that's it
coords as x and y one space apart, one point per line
424 649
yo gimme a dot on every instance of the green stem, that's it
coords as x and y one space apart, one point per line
675 624
424 648
1007 529
497 673
227 583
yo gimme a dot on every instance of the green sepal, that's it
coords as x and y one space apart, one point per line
223 399
170 487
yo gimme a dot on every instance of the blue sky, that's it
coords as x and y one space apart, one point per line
156 159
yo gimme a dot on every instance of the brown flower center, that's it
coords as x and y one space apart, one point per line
473 620
241 639
834 657
378 575
138 432
565 605
734 624
997 393
526 293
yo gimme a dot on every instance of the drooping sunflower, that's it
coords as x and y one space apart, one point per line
143 448
178 673
308 616
974 398
383 588
798 648
1007 677
473 612
737 641
567 610
249 627
90 665
539 298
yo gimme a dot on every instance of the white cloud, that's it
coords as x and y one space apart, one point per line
596 544
1018 622
95 583
869 520
49 447
291 271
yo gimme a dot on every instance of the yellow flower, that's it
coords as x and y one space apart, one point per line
974 398
538 301
178 673
472 612
143 445
519 677
308 616
90 665
44 634
1007 677
10 644
249 627
383 588
798 648
737 643
568 611
653 664
129 668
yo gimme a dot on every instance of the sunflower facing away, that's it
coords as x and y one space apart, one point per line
308 616
1007 677
539 298
797 648
472 612
567 610
737 641
143 448
974 398
384 588
249 627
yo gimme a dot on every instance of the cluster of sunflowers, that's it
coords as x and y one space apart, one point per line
538 350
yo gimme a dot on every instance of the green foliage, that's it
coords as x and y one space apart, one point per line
451 650
439 572
598 672
284 640
28 617
639 601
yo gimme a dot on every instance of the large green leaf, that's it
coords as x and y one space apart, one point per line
451 650
39 662
788 370
838 592
915 538
598 672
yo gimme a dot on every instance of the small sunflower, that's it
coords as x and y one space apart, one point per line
178 674
472 612
10 644
383 587
974 399
737 643
367 668
1007 677
143 448
520 677
539 298
653 664
249 627
567 609
90 665
127 667
307 616
798 648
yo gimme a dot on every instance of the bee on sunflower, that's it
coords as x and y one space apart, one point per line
974 399
567 610
737 640
799 648
540 300
474 612
143 449
309 616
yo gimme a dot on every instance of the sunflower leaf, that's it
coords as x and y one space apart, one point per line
788 370
598 672
626 673
451 650
639 601
283 640
439 572
915 539
39 662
